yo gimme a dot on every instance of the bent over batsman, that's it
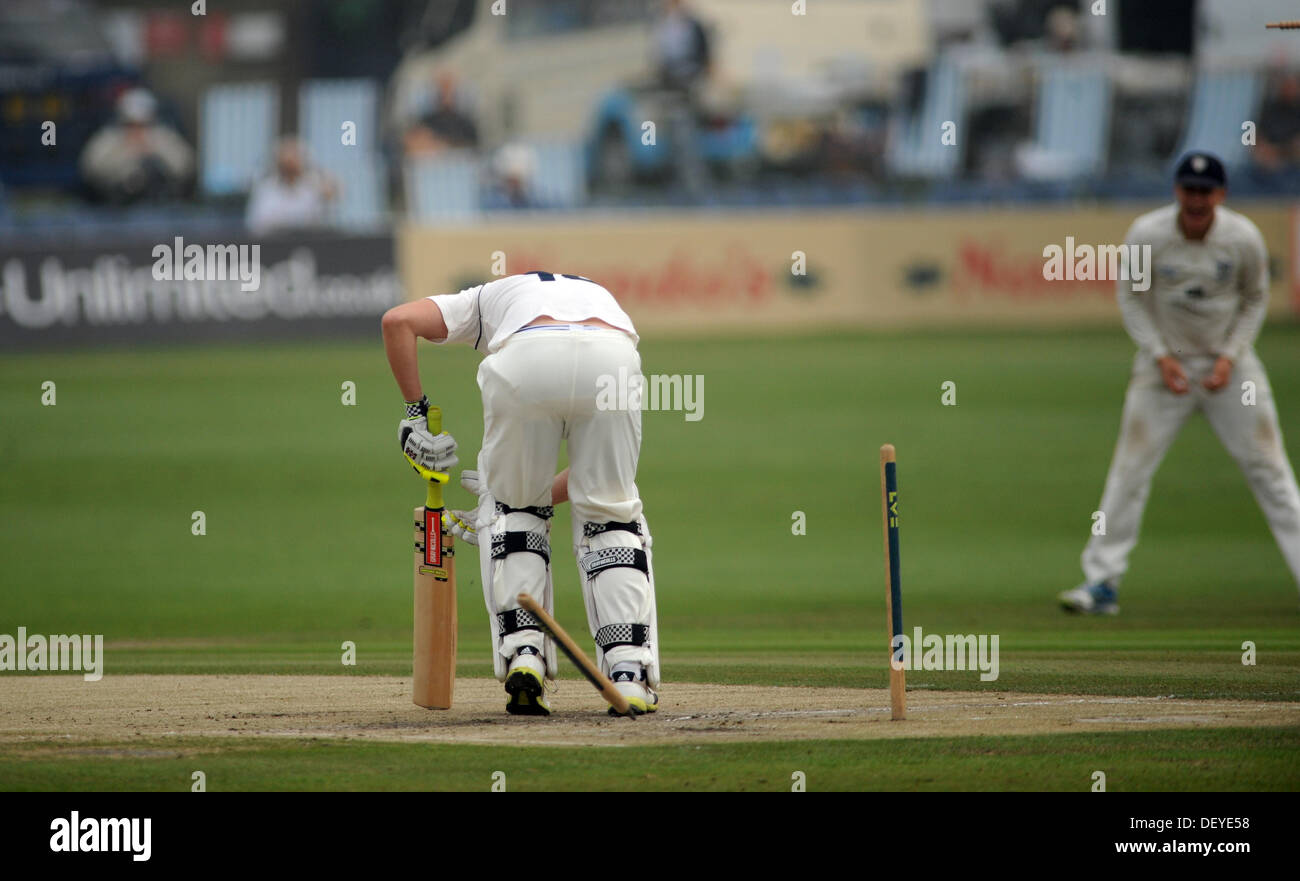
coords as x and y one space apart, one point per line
550 341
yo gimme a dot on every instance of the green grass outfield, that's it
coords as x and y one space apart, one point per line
1248 759
307 504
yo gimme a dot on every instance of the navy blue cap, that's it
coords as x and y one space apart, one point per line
1201 169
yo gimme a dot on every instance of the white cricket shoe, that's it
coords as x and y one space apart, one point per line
1091 599
630 680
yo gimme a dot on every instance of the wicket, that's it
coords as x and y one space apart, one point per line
893 585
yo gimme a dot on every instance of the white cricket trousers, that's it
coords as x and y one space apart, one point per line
540 388
1152 419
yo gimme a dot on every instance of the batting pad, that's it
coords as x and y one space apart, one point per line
616 569
513 556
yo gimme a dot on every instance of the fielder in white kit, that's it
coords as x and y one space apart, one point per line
548 338
1195 330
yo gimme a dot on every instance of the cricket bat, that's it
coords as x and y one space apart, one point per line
578 657
434 655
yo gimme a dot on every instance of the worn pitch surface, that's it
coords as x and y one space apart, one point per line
67 709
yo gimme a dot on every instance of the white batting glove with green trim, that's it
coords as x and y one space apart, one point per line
463 523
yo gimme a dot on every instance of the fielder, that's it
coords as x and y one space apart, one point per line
1195 329
548 340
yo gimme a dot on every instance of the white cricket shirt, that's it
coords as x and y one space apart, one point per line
1207 297
485 315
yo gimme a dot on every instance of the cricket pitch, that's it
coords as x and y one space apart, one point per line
66 709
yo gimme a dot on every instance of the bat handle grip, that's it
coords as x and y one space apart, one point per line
433 498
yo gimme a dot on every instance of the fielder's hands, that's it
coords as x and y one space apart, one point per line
462 522
1173 374
1219 376
436 452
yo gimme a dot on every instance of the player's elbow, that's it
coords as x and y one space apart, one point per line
394 320
419 318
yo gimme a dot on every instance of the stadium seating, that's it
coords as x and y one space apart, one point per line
237 129
915 148
561 178
1222 95
443 188
323 107
1072 127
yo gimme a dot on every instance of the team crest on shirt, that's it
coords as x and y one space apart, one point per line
1166 272
1222 271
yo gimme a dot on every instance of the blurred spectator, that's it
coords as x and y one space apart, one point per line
681 45
1018 21
999 134
1277 142
1061 30
136 157
294 196
447 126
513 169
682 62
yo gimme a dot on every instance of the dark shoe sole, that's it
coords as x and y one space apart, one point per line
525 696
636 711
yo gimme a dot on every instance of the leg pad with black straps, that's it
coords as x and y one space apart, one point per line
618 586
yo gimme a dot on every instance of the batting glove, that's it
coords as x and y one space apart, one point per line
436 452
463 523
461 526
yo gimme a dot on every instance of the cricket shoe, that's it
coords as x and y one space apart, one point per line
630 681
1091 599
526 685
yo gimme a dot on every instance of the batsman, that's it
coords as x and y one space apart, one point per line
550 341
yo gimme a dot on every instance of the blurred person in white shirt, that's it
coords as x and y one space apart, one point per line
136 157
294 196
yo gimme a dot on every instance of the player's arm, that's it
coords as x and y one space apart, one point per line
1138 322
1254 285
1141 328
464 523
403 326
1250 314
560 487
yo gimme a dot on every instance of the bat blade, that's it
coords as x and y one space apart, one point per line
434 655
